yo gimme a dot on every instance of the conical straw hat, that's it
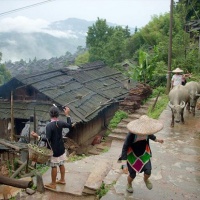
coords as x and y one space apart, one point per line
144 126
177 70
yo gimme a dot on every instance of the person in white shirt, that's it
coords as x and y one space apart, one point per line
177 78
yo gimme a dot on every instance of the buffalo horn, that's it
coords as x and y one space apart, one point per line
170 105
182 105
198 95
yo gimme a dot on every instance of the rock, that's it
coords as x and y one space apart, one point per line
40 184
30 191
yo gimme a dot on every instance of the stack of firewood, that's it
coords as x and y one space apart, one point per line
136 95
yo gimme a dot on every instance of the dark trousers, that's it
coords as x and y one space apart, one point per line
146 169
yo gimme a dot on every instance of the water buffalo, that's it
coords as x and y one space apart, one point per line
194 92
178 99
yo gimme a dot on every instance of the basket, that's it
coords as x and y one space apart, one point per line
39 154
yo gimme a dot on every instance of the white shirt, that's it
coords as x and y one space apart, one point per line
177 79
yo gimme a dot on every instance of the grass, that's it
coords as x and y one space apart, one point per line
119 115
103 189
76 157
106 149
41 168
159 107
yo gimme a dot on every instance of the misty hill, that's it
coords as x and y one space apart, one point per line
76 25
53 41
60 37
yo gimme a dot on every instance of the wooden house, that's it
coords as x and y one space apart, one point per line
91 91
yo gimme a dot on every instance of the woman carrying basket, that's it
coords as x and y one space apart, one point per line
136 149
54 137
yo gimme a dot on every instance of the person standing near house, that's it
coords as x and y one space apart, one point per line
136 149
54 137
178 78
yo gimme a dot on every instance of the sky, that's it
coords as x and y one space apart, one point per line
134 13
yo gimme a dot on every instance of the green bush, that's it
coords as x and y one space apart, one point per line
157 90
119 115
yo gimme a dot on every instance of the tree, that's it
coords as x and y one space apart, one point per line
80 50
4 73
82 58
115 49
106 43
191 9
144 71
97 36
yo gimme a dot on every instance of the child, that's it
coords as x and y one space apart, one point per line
136 149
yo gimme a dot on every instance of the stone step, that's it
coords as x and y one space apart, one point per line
131 117
122 125
127 120
93 152
141 111
112 176
97 175
111 195
121 131
145 106
116 136
134 116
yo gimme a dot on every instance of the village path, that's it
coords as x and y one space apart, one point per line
175 173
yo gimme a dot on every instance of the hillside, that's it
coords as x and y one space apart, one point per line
55 40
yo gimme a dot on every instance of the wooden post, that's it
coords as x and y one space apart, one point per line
15 182
155 102
18 170
12 118
170 50
34 121
34 129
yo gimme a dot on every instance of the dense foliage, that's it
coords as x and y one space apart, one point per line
148 46
107 43
4 73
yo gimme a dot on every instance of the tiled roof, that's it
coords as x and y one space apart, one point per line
86 90
23 110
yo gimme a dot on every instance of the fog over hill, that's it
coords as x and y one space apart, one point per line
24 39
54 40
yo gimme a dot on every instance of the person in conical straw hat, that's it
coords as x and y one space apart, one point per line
136 148
179 78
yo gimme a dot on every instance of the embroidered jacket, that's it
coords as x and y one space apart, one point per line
137 143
